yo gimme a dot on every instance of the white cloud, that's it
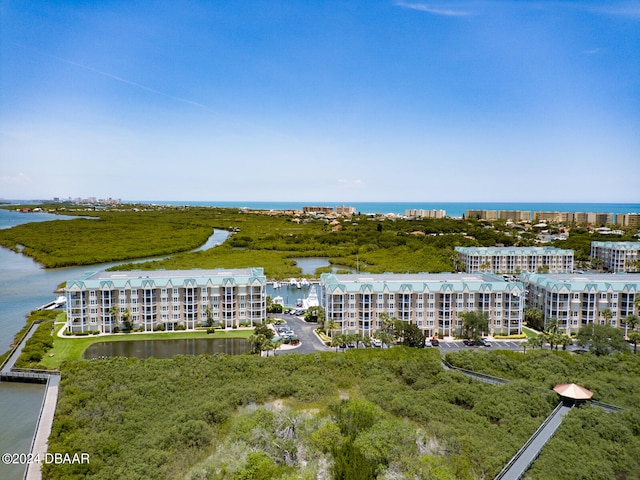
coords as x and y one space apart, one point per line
433 10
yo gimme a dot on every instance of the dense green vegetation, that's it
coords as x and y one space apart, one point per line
580 241
37 316
289 416
590 443
110 236
37 346
373 244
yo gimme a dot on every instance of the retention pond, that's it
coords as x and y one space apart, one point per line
167 348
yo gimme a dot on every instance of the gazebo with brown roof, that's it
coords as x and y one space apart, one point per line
570 392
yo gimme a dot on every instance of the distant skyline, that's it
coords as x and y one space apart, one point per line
361 101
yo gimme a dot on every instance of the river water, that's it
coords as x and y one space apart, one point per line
24 286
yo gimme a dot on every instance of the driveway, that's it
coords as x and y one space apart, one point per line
309 342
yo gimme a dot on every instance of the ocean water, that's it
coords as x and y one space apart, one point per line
452 209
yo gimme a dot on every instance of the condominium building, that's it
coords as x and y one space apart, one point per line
433 302
482 214
165 299
577 300
316 209
628 220
342 210
513 215
556 217
418 213
616 256
515 259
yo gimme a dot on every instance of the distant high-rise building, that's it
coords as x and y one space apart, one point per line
415 213
628 220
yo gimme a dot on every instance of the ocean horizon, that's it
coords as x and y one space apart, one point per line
452 209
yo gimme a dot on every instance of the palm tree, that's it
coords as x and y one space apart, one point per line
564 341
388 323
636 303
630 322
607 315
126 320
634 338
209 314
337 340
329 325
276 345
113 311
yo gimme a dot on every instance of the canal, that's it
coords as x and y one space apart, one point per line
25 285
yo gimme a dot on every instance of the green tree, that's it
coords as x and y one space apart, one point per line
208 313
474 324
534 318
412 336
329 326
315 314
384 337
607 315
338 340
388 323
126 320
630 323
634 338
602 339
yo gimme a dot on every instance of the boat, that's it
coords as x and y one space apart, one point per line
312 299
57 303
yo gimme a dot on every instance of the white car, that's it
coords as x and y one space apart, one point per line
376 342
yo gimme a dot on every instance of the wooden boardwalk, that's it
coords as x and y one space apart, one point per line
43 428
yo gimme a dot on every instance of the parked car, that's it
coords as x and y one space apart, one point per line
482 342
469 343
435 342
376 342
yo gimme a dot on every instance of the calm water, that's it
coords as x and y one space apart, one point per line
167 348
24 286
19 407
452 209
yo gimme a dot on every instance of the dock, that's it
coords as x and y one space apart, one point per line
8 373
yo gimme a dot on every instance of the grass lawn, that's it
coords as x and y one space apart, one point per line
71 348
529 332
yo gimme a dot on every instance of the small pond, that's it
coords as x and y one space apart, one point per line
308 265
167 348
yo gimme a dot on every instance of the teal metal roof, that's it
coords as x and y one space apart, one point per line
603 282
168 278
546 250
624 245
419 283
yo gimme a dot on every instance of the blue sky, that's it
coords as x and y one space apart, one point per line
325 101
